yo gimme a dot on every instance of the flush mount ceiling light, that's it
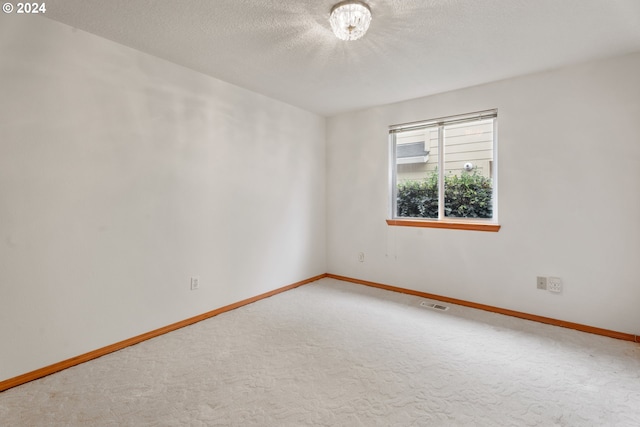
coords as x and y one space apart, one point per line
350 19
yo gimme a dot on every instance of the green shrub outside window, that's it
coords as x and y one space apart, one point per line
466 196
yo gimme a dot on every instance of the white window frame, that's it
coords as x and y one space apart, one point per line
441 123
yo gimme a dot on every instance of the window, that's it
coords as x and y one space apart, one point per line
444 171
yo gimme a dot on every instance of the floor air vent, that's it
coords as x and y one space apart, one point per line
434 306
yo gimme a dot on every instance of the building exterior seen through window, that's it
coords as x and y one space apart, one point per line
445 168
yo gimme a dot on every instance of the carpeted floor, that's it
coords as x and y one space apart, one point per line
332 353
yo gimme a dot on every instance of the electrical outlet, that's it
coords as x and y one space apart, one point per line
554 284
195 283
361 256
541 282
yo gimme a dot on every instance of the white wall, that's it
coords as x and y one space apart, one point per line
115 189
569 198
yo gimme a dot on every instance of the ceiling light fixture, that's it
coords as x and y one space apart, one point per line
350 19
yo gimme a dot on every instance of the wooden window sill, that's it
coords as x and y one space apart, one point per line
454 225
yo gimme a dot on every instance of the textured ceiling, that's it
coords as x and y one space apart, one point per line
285 48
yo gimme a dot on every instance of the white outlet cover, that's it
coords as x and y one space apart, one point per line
195 283
541 282
554 284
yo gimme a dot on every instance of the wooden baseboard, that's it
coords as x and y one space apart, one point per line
541 319
56 367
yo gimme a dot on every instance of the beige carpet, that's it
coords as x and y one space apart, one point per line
336 354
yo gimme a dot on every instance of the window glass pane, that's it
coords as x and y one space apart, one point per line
417 173
468 162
